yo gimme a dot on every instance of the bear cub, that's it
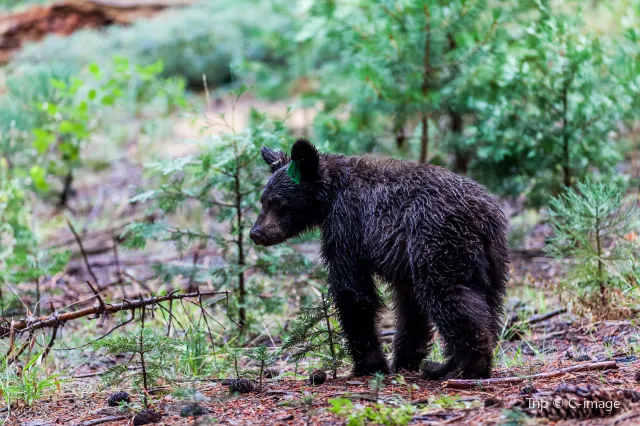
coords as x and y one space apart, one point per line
439 240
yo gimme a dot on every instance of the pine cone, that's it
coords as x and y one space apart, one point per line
631 395
575 402
192 410
318 377
240 385
270 373
146 417
118 397
528 390
492 402
582 358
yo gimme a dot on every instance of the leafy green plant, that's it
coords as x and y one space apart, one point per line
401 381
378 414
28 386
233 355
77 109
195 351
21 259
19 113
316 332
590 223
149 357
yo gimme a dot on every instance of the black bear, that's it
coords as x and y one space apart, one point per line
438 239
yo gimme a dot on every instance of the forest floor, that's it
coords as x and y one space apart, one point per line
563 340
555 344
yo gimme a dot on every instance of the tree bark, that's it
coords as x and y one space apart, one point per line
424 140
461 157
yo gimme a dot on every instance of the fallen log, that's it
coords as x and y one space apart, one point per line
56 319
68 16
470 384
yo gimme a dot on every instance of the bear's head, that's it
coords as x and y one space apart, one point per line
288 200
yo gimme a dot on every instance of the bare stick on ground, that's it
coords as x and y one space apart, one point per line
103 420
470 384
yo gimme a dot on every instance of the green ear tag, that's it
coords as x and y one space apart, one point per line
294 172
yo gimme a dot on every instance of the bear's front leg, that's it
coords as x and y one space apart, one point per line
357 303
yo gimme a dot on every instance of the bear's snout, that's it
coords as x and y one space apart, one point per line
258 235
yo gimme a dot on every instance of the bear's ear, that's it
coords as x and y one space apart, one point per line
307 159
274 158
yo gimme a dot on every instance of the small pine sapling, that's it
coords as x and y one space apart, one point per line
265 357
590 223
149 355
316 332
234 354
307 400
225 179
410 387
376 384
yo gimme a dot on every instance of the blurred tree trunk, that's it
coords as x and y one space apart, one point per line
460 156
424 140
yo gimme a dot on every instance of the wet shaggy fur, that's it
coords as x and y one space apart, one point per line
438 239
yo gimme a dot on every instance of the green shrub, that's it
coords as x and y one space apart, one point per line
383 74
26 89
551 111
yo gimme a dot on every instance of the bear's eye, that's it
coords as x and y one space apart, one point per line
274 204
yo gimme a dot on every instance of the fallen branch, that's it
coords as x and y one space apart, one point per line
543 317
55 319
84 254
528 253
54 333
102 420
470 384
515 326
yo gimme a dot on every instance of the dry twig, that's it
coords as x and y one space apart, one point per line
55 319
470 384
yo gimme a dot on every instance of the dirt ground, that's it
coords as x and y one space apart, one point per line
279 402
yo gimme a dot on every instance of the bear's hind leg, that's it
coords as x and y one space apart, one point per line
465 323
414 332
